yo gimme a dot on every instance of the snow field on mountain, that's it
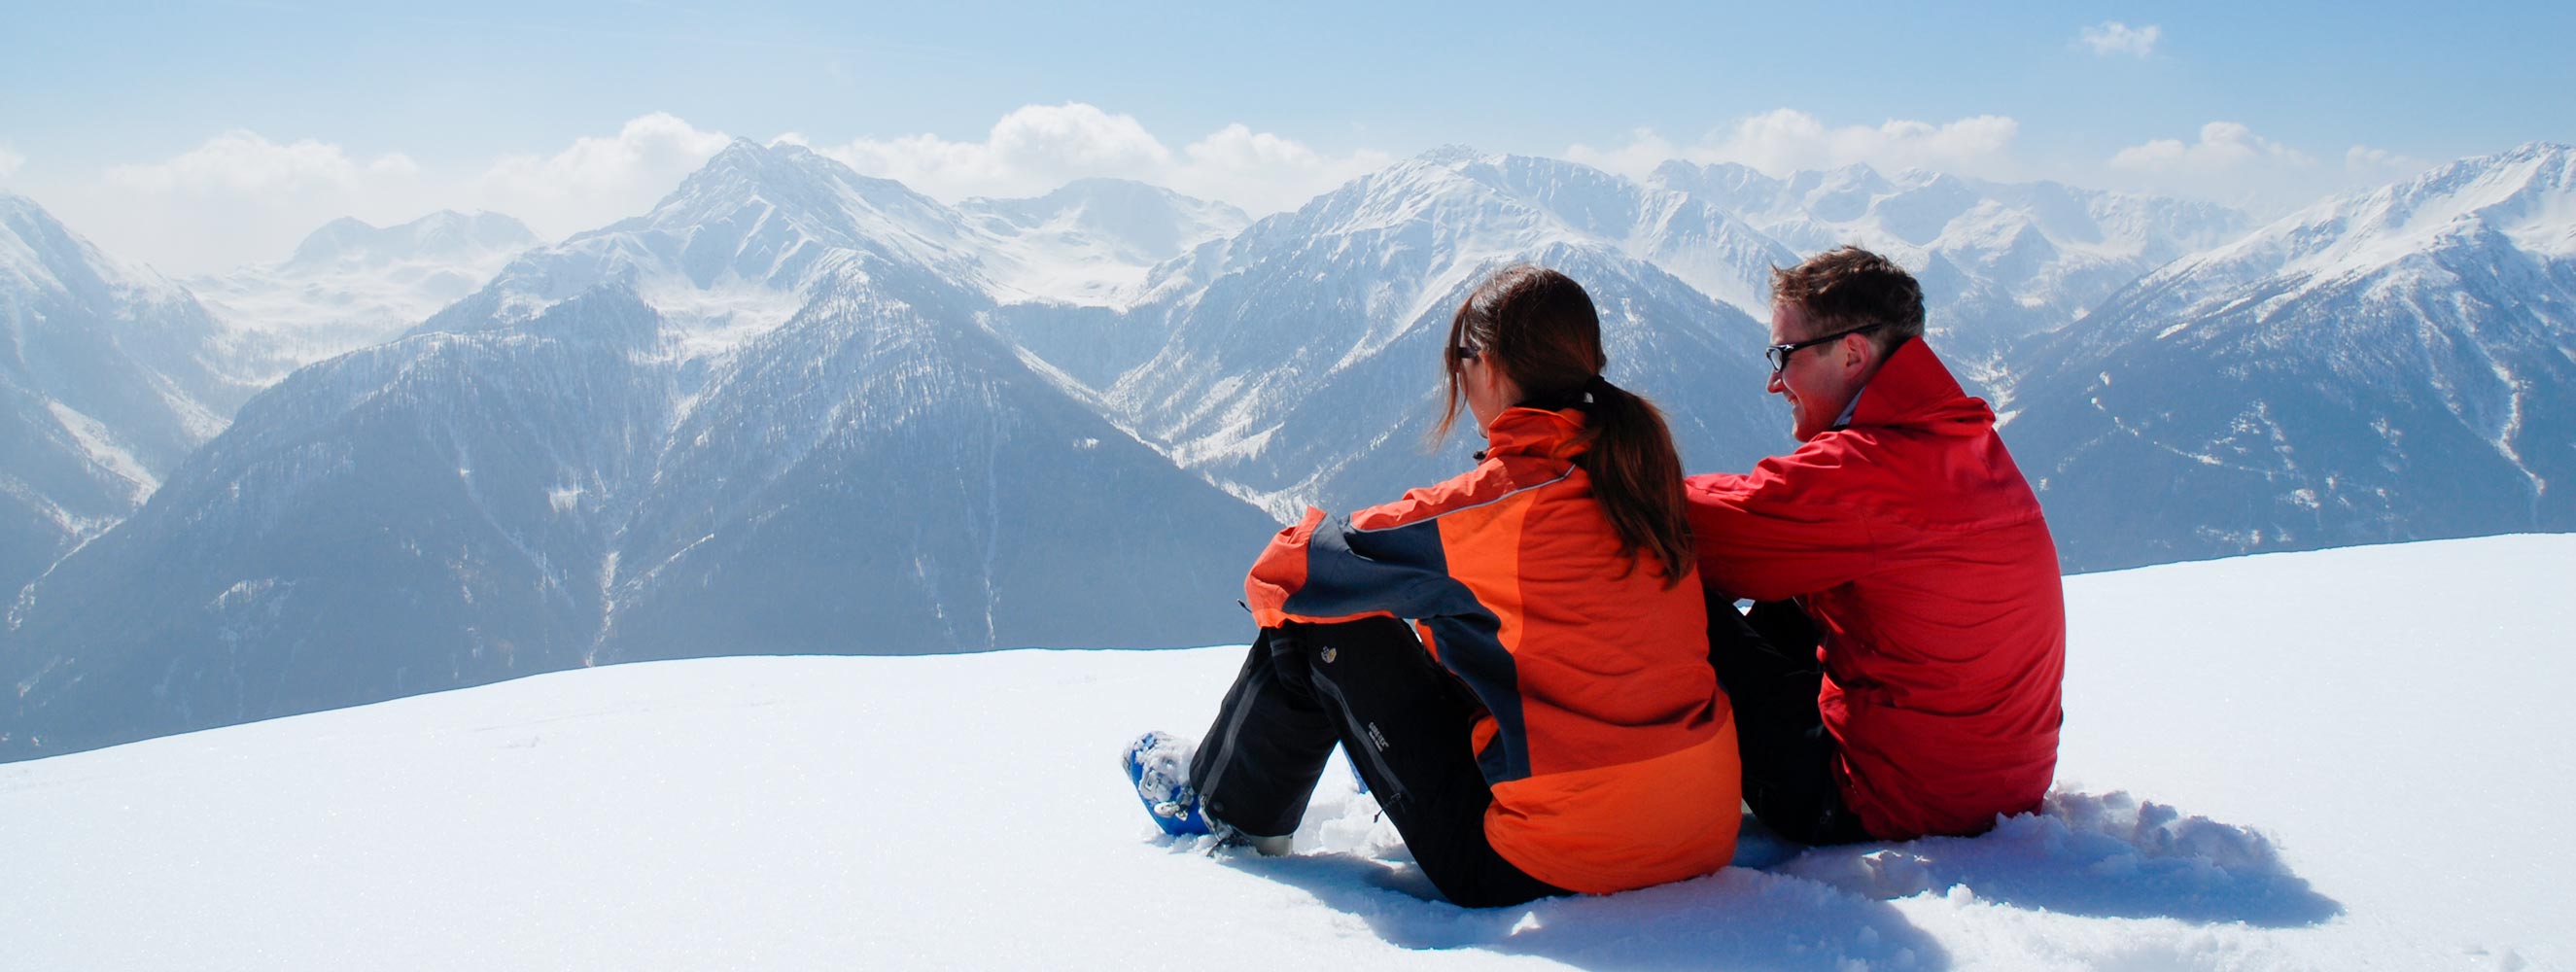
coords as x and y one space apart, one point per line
2340 759
104 451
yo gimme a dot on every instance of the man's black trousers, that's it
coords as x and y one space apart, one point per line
1405 721
1767 664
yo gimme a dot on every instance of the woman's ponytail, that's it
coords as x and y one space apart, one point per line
1637 477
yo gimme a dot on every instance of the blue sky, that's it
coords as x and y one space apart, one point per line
198 134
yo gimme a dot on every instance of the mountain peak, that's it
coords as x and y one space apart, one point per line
1450 154
2527 194
1732 185
741 151
445 235
737 244
2534 159
2536 150
1856 177
17 207
743 158
1732 171
788 175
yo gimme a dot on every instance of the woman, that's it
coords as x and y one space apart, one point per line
1548 724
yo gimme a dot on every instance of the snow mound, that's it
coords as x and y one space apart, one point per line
2108 855
2324 766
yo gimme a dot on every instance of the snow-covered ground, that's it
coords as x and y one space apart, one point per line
2342 759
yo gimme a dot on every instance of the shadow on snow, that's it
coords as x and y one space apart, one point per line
1736 918
1784 907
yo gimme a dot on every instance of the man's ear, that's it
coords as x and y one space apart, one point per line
1858 359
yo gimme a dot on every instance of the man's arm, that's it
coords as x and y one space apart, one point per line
1762 536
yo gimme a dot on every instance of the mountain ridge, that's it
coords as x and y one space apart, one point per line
107 381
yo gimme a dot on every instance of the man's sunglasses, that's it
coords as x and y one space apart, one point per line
1778 354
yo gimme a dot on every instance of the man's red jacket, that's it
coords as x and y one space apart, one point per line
1914 543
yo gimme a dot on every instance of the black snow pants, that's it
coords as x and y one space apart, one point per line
1370 686
1767 664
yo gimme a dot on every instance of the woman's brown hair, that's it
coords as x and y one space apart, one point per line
1540 328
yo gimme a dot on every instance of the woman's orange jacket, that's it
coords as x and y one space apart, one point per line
1610 749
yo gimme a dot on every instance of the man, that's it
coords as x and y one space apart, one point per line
1900 675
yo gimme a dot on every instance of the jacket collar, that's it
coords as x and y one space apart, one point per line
1521 431
1915 389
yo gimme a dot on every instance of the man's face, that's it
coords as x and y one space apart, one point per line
1818 381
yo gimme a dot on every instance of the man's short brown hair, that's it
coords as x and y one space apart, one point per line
1850 287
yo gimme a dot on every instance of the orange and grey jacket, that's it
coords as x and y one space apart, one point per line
1609 747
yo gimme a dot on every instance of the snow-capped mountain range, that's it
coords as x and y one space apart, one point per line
796 409
1299 362
741 245
762 415
2391 365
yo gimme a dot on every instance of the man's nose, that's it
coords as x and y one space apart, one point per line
1774 386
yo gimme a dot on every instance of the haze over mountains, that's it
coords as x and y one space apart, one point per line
350 285
1998 262
1093 241
797 409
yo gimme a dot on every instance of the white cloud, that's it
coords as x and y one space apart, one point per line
1785 140
1031 150
242 198
2229 163
2113 37
1037 148
237 198
2223 147
9 162
1265 173
2232 164
596 180
1645 150
243 162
